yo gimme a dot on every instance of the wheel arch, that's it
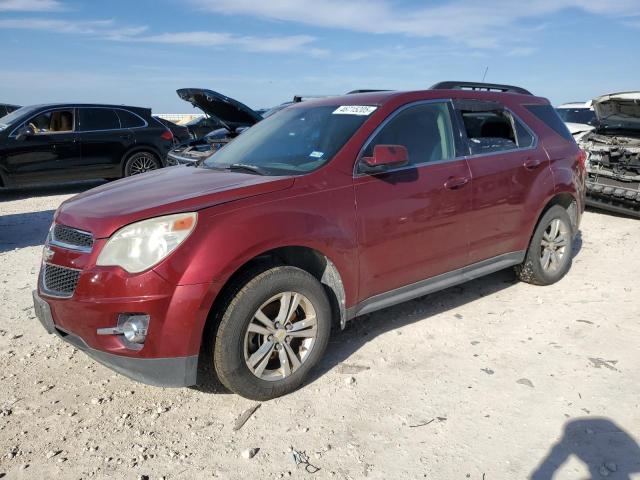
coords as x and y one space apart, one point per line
567 201
140 148
306 258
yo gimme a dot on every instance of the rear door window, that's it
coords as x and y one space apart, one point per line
489 131
129 120
524 137
424 130
491 128
92 119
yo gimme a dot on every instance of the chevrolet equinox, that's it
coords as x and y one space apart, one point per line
325 211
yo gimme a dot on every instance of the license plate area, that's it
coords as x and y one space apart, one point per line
43 313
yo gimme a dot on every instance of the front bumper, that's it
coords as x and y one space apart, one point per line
160 372
188 157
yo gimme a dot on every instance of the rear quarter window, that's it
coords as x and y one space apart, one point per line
129 120
549 116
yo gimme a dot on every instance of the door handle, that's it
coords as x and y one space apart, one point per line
454 183
531 163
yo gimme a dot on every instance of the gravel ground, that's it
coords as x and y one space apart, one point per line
494 379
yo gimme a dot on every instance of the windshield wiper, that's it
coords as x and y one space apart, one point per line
248 168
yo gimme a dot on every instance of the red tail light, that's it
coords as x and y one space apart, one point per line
167 135
582 158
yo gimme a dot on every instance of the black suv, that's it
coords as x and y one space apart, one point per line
62 142
6 108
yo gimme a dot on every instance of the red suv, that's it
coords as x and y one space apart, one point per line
327 210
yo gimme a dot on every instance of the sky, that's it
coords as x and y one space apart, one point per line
262 52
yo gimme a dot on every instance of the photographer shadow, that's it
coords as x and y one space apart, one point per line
605 448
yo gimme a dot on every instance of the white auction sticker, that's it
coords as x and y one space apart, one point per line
354 110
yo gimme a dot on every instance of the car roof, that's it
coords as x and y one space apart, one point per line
382 97
74 105
575 105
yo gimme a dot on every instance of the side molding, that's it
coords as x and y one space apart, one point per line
437 283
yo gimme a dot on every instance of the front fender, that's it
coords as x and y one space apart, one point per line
230 235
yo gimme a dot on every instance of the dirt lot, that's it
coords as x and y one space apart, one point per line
491 380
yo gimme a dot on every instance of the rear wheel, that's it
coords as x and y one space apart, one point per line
140 162
548 257
274 330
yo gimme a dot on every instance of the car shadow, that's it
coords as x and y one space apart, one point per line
22 230
45 190
577 244
361 330
604 447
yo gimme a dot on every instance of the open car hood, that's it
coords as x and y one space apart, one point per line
578 127
617 108
230 112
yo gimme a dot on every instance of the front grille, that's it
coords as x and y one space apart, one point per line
71 237
59 281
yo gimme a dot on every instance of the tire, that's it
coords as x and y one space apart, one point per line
236 346
540 266
141 162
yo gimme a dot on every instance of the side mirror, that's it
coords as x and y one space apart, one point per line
24 133
385 156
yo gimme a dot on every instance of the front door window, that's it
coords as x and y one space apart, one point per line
55 121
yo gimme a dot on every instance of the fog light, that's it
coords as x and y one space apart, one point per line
134 327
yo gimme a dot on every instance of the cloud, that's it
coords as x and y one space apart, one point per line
249 43
102 28
108 30
476 24
29 5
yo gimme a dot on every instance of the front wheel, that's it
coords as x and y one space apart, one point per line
140 162
274 330
548 257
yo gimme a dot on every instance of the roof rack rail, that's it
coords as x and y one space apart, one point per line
481 86
301 98
366 90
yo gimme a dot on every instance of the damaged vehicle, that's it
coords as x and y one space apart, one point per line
579 117
327 211
232 117
229 115
613 154
7 108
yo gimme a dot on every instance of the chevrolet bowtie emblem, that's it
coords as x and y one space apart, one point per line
47 254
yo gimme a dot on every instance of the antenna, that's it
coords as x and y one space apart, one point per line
486 69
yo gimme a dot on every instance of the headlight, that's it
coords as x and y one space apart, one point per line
142 245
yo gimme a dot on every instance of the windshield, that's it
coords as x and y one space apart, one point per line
7 120
293 141
577 115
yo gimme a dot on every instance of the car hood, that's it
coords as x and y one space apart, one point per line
617 108
105 209
578 127
228 111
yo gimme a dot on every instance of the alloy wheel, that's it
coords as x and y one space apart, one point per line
142 162
553 246
280 336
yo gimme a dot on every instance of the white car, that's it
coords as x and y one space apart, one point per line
578 116
613 154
